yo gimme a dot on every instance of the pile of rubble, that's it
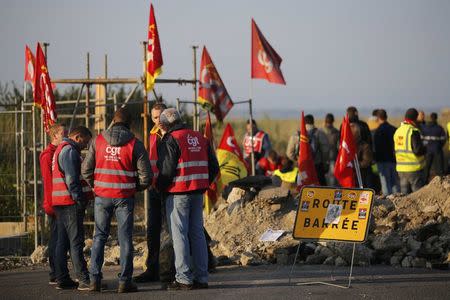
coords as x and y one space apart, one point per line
407 231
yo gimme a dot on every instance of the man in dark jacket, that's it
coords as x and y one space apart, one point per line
118 166
433 136
353 117
385 154
187 166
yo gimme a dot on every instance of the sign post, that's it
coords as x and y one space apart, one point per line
333 214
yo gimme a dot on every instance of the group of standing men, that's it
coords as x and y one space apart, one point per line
178 168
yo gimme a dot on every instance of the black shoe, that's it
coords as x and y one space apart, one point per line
67 284
84 286
95 286
178 286
127 287
199 285
146 277
52 281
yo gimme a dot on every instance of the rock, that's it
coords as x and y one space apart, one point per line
413 244
223 260
387 242
427 231
396 260
249 259
112 256
283 259
419 262
88 246
448 258
235 195
432 239
275 207
273 194
407 262
340 262
363 255
315 259
330 261
39 255
431 209
326 251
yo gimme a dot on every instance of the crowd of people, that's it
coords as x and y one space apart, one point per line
178 168
391 159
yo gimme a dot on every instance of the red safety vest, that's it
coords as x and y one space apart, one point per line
257 142
192 168
114 174
60 192
153 155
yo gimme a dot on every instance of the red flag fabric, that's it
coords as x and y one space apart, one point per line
29 65
154 55
344 168
43 92
307 174
265 60
212 93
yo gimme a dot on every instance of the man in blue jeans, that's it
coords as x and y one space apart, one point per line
118 166
187 165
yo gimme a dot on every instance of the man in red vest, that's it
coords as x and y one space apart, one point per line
56 133
261 143
70 195
117 165
187 165
154 211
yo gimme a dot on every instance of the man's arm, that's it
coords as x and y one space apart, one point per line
213 165
290 150
266 146
142 163
168 155
46 171
88 166
416 144
70 163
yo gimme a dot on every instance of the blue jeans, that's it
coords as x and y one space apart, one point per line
103 212
69 223
185 220
388 177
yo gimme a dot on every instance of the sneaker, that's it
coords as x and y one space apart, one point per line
52 281
199 285
178 286
146 277
95 286
127 287
84 286
67 284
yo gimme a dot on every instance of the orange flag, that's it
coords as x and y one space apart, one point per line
344 168
29 65
306 170
154 55
265 60
43 91
212 93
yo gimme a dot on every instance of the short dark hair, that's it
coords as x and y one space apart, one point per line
122 115
329 118
159 106
411 114
273 154
80 130
381 114
309 119
352 113
253 122
375 112
433 116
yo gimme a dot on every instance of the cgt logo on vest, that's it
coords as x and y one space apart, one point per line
113 153
193 143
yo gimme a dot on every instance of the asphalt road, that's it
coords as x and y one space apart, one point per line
262 282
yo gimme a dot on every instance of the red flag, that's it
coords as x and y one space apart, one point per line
154 55
265 60
306 170
211 192
343 170
29 65
212 93
43 92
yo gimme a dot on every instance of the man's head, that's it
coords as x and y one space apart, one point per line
272 156
249 127
381 115
329 120
56 132
80 135
169 118
309 120
352 113
156 111
433 117
356 130
421 116
122 116
411 114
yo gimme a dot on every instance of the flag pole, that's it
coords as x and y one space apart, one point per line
358 171
252 155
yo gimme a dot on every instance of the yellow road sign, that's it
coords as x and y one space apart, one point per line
339 214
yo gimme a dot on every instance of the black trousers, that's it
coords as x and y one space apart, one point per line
434 162
52 246
154 223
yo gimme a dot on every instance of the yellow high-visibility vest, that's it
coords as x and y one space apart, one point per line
290 177
407 161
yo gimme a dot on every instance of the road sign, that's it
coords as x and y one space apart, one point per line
339 214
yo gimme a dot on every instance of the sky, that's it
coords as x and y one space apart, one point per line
336 53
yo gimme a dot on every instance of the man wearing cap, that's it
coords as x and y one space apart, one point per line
409 153
117 166
187 165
